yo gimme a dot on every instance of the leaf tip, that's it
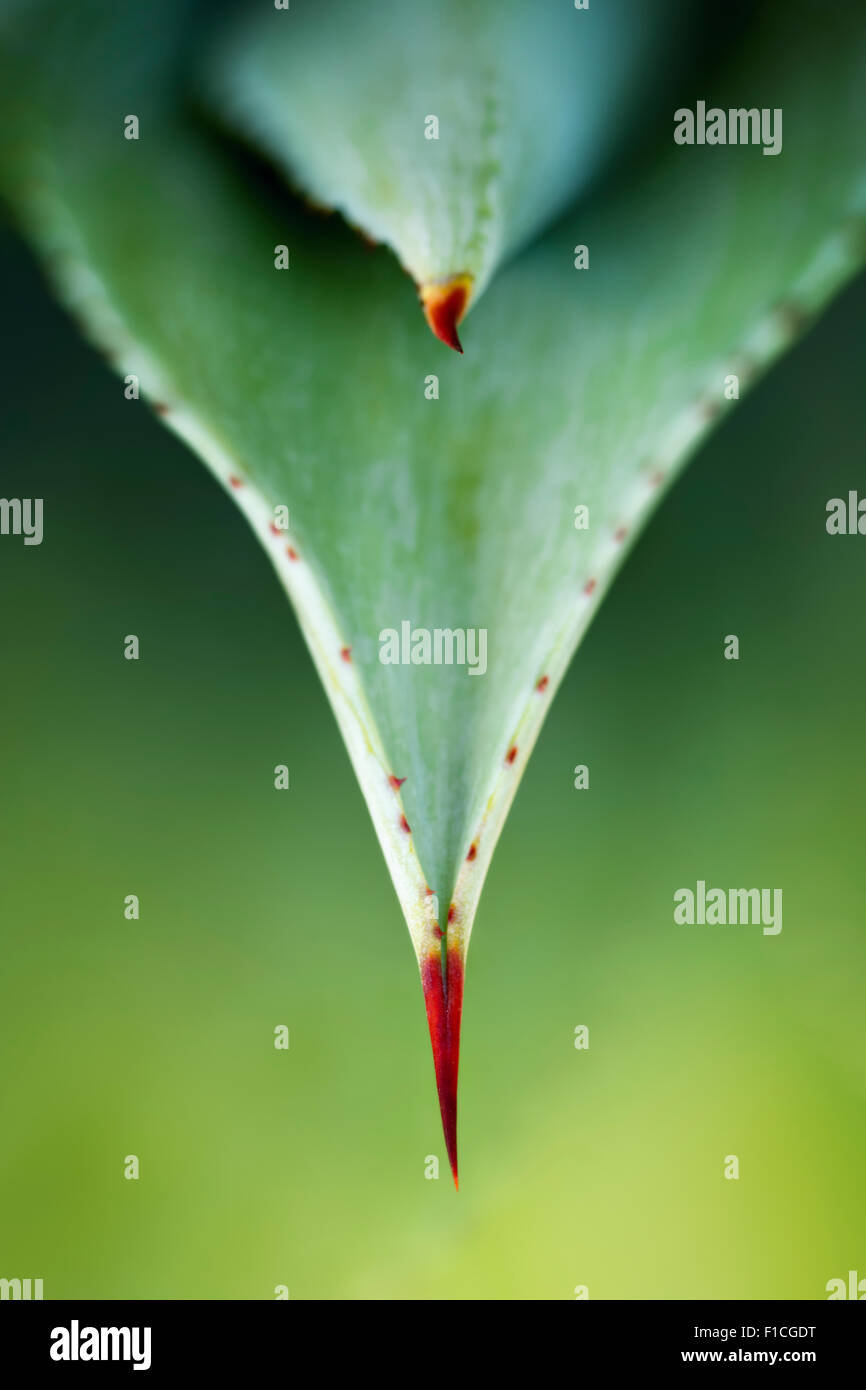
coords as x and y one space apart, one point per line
445 303
443 996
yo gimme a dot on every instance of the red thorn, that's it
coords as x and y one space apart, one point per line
444 1000
404 825
589 587
511 754
444 307
437 931
346 654
542 685
473 850
275 530
396 783
452 913
427 889
236 482
292 554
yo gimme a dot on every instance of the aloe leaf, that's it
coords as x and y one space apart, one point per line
452 130
453 511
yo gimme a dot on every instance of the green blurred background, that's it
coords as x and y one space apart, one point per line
258 908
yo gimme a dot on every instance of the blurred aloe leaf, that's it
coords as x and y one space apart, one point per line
452 131
449 511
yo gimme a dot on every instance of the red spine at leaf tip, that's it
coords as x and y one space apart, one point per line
443 996
444 307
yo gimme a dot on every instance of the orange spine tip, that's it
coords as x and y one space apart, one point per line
445 305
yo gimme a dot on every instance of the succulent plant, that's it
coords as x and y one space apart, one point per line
171 164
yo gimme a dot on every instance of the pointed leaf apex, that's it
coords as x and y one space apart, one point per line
445 303
443 995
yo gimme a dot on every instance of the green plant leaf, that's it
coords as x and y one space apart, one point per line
454 512
451 131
